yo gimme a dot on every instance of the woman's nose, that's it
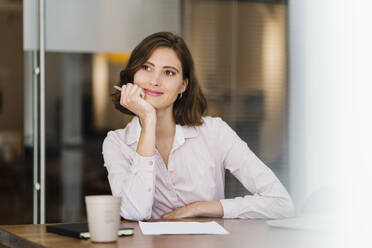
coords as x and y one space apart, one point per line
156 78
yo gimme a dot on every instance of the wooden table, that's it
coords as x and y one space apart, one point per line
243 233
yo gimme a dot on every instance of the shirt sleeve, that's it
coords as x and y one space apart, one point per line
130 175
269 198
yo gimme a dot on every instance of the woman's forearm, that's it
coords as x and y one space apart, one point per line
195 209
146 143
209 209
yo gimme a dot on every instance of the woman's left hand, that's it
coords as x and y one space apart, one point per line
183 212
206 209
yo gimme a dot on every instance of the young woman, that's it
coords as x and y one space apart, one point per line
170 160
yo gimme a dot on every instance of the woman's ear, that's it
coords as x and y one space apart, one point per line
184 85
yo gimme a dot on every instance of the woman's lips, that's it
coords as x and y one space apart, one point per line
153 92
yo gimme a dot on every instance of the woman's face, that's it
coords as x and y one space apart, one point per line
161 78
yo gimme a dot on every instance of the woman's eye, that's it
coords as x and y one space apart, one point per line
146 67
169 73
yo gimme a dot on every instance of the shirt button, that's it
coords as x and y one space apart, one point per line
149 189
151 163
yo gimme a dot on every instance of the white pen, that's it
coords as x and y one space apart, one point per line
117 87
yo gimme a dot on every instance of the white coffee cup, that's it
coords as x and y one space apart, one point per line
103 212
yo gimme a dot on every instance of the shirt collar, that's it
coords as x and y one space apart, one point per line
182 133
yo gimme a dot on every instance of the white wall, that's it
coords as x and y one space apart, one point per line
330 109
101 25
320 74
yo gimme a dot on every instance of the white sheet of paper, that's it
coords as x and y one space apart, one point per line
157 228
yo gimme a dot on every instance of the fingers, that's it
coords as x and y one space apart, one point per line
133 99
168 216
141 93
123 97
132 88
129 93
137 91
176 214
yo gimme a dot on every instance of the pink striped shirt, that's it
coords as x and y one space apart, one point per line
196 172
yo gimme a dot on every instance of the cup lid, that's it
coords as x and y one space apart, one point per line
106 199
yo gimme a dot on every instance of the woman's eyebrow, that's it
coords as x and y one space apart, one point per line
166 66
171 67
148 62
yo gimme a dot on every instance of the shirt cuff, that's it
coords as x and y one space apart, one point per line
228 205
143 163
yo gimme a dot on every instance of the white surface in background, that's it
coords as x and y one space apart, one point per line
157 228
320 74
330 109
101 25
306 222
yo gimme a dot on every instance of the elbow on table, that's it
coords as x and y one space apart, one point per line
286 208
137 216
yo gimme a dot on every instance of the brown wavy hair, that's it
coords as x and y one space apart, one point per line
188 109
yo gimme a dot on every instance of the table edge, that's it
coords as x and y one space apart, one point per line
14 241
